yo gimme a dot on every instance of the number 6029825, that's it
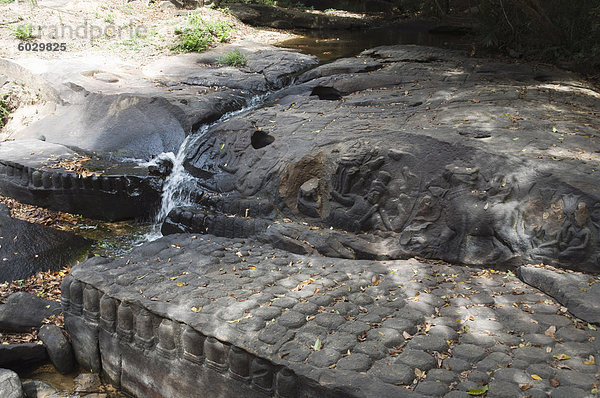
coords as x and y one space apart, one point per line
26 46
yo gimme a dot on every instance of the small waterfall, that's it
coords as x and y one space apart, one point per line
179 185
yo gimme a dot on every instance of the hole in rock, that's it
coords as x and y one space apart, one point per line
544 78
326 93
474 134
260 139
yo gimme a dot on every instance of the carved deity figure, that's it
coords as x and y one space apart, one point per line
572 241
358 210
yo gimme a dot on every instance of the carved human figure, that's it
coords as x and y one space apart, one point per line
358 209
573 240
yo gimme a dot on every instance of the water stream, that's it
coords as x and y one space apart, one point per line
180 185
327 46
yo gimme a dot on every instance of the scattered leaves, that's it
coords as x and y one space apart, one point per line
478 391
318 345
550 331
240 319
536 377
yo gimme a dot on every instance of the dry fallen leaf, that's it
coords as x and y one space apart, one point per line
550 331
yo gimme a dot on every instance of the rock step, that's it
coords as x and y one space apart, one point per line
130 337
106 197
195 220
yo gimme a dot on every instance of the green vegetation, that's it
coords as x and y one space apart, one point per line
23 32
6 1
275 3
4 109
553 30
233 58
562 31
199 34
135 42
109 19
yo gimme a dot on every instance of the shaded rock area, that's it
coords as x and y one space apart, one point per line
408 150
58 348
13 317
115 112
580 293
19 357
26 249
36 388
288 18
232 317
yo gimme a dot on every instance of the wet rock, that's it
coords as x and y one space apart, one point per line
87 382
24 312
126 191
38 389
19 357
58 347
10 384
161 166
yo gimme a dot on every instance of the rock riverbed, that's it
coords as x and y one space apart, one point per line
295 275
230 317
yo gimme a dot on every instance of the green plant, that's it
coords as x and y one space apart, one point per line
6 1
220 29
109 19
274 3
552 30
134 42
4 109
23 32
233 58
198 34
192 40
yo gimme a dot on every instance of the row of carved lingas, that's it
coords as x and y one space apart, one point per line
59 180
117 318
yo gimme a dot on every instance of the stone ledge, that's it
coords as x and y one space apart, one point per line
579 292
193 312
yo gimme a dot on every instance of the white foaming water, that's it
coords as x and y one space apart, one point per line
179 185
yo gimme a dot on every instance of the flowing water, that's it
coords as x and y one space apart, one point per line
180 185
327 46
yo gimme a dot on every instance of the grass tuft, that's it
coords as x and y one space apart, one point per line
233 58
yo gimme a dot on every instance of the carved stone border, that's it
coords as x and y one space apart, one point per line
93 316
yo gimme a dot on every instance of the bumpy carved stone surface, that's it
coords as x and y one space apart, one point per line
231 317
411 151
120 190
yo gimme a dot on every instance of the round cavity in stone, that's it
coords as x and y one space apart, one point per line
260 139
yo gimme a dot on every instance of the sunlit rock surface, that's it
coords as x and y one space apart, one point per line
407 151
